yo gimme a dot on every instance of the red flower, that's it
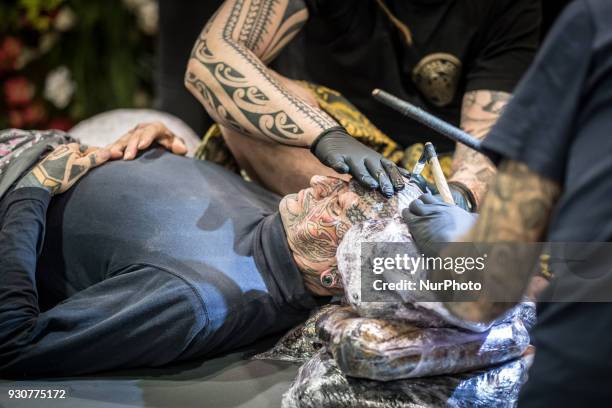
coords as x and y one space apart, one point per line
15 119
12 46
34 114
60 123
18 91
10 49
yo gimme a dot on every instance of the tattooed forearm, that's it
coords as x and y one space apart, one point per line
480 111
227 74
517 209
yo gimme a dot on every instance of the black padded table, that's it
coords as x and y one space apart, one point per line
232 380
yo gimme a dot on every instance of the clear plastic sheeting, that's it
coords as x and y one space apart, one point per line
404 197
400 305
321 384
300 343
387 350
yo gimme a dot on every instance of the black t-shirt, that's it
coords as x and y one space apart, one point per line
559 123
458 46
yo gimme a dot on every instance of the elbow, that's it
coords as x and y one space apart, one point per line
208 50
190 74
196 83
15 333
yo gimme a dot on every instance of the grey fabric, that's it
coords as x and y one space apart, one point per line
21 149
230 381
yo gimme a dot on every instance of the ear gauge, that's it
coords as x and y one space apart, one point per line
328 278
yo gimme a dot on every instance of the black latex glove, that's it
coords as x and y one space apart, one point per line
432 221
460 196
343 153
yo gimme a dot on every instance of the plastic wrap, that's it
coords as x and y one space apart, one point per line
391 350
300 343
401 305
321 384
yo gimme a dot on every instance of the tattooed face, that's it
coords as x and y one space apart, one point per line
316 219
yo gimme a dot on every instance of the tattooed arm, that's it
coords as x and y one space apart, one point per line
228 75
517 209
473 172
22 229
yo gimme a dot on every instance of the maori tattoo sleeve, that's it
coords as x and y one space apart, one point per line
226 72
517 209
479 112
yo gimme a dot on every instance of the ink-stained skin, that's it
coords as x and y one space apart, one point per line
63 167
316 219
517 208
479 112
228 75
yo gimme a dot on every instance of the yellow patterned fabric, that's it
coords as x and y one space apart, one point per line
214 149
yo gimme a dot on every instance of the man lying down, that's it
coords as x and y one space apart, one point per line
162 258
158 259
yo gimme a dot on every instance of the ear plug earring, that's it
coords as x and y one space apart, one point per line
328 278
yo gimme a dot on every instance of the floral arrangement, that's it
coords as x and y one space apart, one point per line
65 60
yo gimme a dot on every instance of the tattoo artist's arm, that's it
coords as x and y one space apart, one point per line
479 112
228 75
516 209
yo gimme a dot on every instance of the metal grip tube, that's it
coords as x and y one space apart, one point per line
427 119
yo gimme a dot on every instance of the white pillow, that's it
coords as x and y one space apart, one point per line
105 128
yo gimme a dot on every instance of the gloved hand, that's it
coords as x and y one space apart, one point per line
343 153
460 196
432 221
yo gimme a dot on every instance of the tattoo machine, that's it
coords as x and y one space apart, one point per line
429 155
438 174
427 119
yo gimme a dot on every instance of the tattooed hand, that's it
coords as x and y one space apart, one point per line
58 171
142 136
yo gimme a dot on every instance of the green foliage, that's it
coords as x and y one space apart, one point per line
36 11
108 56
